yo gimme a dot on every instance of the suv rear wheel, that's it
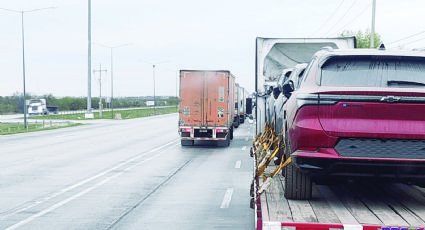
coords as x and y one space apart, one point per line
298 185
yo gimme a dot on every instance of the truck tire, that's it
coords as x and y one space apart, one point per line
226 142
242 120
298 185
186 142
231 134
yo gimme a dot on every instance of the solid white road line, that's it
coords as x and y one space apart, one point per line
80 184
227 198
238 164
59 204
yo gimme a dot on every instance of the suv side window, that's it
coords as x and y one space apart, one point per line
301 79
306 71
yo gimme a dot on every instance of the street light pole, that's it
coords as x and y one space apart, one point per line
23 53
89 112
23 71
153 75
154 101
112 83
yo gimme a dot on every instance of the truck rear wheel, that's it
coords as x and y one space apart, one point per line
231 134
186 142
226 142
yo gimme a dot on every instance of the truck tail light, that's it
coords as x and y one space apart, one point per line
221 130
185 130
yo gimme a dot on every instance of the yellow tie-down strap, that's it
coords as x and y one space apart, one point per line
267 180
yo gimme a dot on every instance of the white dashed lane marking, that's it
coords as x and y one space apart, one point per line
238 164
227 198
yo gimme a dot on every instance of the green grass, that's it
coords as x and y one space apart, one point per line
125 114
13 128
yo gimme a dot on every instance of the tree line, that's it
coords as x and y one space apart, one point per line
15 103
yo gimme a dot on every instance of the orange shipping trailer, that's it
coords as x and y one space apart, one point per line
206 108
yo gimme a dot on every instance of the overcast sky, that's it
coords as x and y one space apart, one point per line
184 34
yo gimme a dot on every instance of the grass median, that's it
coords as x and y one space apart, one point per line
14 128
118 114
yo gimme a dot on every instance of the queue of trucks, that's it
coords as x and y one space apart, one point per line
339 136
211 105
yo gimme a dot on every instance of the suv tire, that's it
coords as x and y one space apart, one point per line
298 185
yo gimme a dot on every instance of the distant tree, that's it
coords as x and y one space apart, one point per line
363 38
173 101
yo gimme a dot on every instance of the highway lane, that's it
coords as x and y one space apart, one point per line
130 174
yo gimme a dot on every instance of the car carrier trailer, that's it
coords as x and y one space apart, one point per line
352 205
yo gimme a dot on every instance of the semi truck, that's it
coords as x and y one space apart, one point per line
236 120
242 94
206 108
39 107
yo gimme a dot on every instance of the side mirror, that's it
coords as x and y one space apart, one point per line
276 93
280 87
288 88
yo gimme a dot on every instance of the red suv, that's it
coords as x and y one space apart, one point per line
358 114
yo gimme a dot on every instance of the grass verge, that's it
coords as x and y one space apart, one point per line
14 128
124 114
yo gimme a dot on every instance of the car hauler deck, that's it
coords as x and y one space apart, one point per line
206 106
367 206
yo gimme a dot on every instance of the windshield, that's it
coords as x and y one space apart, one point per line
374 72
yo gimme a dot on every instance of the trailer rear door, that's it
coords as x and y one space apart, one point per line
204 98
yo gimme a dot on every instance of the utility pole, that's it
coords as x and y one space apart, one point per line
100 70
372 33
112 72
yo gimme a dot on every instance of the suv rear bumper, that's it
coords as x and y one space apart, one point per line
326 163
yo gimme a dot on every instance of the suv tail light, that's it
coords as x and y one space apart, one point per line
314 99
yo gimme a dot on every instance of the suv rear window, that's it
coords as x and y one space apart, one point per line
374 71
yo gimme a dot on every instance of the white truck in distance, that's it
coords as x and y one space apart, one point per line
39 107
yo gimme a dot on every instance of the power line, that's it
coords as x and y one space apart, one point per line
407 37
327 20
339 20
362 12
414 41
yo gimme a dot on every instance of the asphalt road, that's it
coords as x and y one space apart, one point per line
128 174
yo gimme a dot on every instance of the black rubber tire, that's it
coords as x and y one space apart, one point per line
251 191
186 142
225 143
298 185
231 134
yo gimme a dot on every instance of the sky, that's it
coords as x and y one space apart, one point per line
173 35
